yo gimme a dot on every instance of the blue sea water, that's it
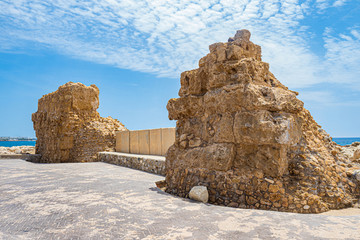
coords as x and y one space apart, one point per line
345 141
16 143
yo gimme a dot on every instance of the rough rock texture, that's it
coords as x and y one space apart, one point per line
199 193
17 150
68 127
352 151
147 163
356 156
357 175
245 136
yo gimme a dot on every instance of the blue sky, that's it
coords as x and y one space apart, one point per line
134 51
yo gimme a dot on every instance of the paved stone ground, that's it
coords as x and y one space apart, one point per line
103 201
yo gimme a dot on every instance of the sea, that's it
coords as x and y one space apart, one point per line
16 143
340 141
346 141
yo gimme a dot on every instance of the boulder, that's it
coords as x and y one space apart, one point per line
247 137
69 128
199 193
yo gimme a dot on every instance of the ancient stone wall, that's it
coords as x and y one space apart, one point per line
69 128
146 163
250 141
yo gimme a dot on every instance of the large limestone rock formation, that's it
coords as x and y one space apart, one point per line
68 127
250 141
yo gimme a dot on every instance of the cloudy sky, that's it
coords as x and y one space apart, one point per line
135 51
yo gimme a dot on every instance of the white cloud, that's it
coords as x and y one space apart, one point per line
329 97
168 37
323 4
339 3
343 57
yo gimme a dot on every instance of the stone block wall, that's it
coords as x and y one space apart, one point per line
146 163
69 128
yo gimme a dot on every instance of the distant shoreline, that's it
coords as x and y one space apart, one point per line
17 140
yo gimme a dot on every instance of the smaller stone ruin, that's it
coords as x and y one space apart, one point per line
249 140
69 128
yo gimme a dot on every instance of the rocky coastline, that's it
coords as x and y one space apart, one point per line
17 150
352 151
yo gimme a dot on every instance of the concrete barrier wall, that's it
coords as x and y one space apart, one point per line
134 142
123 141
155 146
149 142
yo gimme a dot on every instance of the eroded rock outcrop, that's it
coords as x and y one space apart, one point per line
69 128
250 141
352 151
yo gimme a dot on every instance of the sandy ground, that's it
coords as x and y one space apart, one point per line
343 212
103 201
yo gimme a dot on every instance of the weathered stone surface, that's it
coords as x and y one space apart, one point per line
352 151
68 127
356 156
199 193
357 175
250 141
17 150
146 163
